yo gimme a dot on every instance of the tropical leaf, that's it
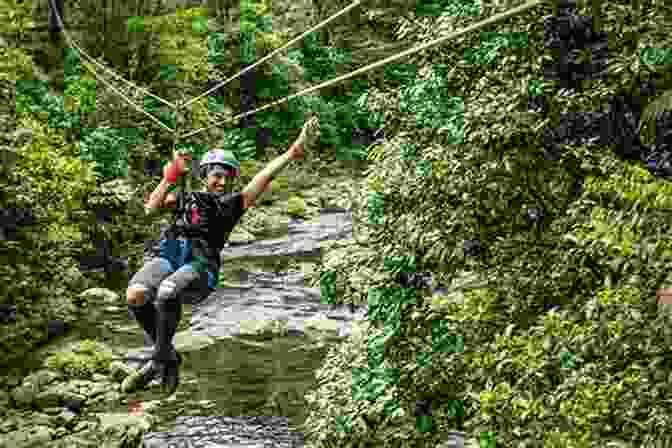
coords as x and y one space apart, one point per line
647 123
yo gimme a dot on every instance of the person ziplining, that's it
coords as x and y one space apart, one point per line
187 260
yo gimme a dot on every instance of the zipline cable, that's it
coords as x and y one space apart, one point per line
72 44
58 17
273 53
476 26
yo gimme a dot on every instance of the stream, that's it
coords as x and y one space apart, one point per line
240 387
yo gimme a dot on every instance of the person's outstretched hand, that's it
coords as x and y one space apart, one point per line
309 136
177 167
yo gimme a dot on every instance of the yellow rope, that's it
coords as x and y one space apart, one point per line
72 44
403 54
359 71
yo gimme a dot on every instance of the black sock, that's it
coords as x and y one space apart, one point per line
146 316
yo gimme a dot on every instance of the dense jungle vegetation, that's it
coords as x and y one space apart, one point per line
531 188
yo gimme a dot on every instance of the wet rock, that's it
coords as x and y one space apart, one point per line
455 440
184 341
54 406
129 428
5 399
67 418
24 396
97 377
75 405
119 370
42 378
101 295
56 328
7 313
228 432
32 436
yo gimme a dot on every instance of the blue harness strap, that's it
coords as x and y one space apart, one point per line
179 254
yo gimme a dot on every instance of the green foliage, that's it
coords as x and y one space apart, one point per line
376 207
241 141
634 184
216 46
168 72
400 73
216 104
83 91
108 147
328 287
64 176
491 43
199 25
264 24
33 96
320 62
447 7
656 56
248 47
71 63
433 108
296 207
535 87
135 24
593 369
277 85
83 360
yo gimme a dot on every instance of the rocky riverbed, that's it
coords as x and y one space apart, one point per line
74 399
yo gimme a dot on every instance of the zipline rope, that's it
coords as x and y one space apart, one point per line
476 26
185 104
359 71
117 76
273 53
71 42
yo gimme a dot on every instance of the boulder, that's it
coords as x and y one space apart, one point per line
28 437
24 395
5 400
119 370
101 295
121 430
43 377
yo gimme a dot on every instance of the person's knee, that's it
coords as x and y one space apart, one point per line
167 293
135 295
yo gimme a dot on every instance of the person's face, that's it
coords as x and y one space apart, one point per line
219 183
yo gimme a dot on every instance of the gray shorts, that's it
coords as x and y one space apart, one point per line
192 286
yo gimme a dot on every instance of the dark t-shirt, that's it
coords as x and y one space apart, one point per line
206 219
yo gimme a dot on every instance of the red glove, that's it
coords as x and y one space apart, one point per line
174 169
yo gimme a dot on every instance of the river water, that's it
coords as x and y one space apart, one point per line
232 372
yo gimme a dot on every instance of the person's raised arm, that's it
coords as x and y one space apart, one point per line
260 182
157 197
171 172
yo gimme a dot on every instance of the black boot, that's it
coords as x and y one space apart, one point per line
169 314
170 375
141 378
146 316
